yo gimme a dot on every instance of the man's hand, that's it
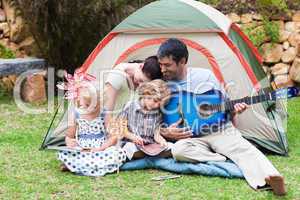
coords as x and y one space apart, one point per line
174 133
240 107
160 140
70 142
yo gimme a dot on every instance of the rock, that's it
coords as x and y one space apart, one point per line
12 78
249 26
4 41
13 46
280 24
298 25
295 70
289 55
283 35
246 18
2 16
6 84
271 53
286 45
234 17
266 69
283 81
5 29
298 50
21 54
18 30
9 11
290 26
34 90
284 16
294 39
296 17
257 17
29 46
280 68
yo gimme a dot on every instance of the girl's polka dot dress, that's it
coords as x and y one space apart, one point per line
92 134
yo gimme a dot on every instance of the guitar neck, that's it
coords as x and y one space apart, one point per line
229 105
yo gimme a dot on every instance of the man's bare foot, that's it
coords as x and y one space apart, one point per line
277 184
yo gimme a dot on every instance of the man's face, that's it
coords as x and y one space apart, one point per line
170 69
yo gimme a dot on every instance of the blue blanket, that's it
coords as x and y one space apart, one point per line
223 169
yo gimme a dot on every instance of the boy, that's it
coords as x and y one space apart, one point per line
144 119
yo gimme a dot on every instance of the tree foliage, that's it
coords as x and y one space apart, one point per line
67 31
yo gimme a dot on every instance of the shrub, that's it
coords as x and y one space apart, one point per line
6 53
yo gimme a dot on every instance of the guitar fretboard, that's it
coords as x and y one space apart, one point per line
229 105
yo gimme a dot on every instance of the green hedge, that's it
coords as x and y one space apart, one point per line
6 53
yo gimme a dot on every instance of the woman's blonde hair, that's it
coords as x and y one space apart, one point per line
157 89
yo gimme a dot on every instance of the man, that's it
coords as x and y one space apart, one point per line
219 144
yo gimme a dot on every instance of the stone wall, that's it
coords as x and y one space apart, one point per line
281 59
14 32
15 35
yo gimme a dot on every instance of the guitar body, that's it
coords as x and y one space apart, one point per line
191 108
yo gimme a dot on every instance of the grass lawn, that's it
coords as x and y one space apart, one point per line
27 173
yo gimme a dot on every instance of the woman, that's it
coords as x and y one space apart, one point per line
125 78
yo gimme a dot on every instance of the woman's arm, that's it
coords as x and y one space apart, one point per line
111 95
116 79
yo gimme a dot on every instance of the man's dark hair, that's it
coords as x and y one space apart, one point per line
175 48
151 68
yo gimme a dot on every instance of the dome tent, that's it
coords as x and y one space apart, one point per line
213 41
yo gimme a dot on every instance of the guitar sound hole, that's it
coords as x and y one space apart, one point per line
205 110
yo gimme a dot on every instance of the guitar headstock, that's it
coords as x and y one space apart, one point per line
285 93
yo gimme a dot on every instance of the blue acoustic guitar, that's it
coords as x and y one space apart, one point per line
203 113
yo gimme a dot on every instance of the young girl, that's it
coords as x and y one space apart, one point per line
92 151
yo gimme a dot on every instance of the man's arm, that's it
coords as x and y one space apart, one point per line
158 138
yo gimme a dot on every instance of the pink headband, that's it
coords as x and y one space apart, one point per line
74 83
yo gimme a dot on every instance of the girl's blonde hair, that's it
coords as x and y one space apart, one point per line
89 95
157 89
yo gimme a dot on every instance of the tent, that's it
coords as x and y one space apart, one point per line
213 41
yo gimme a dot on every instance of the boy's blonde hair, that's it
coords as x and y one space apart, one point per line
157 89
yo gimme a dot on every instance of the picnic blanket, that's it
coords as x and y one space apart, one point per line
223 169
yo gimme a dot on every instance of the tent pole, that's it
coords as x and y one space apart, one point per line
48 131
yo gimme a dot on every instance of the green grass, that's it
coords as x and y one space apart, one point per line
27 173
